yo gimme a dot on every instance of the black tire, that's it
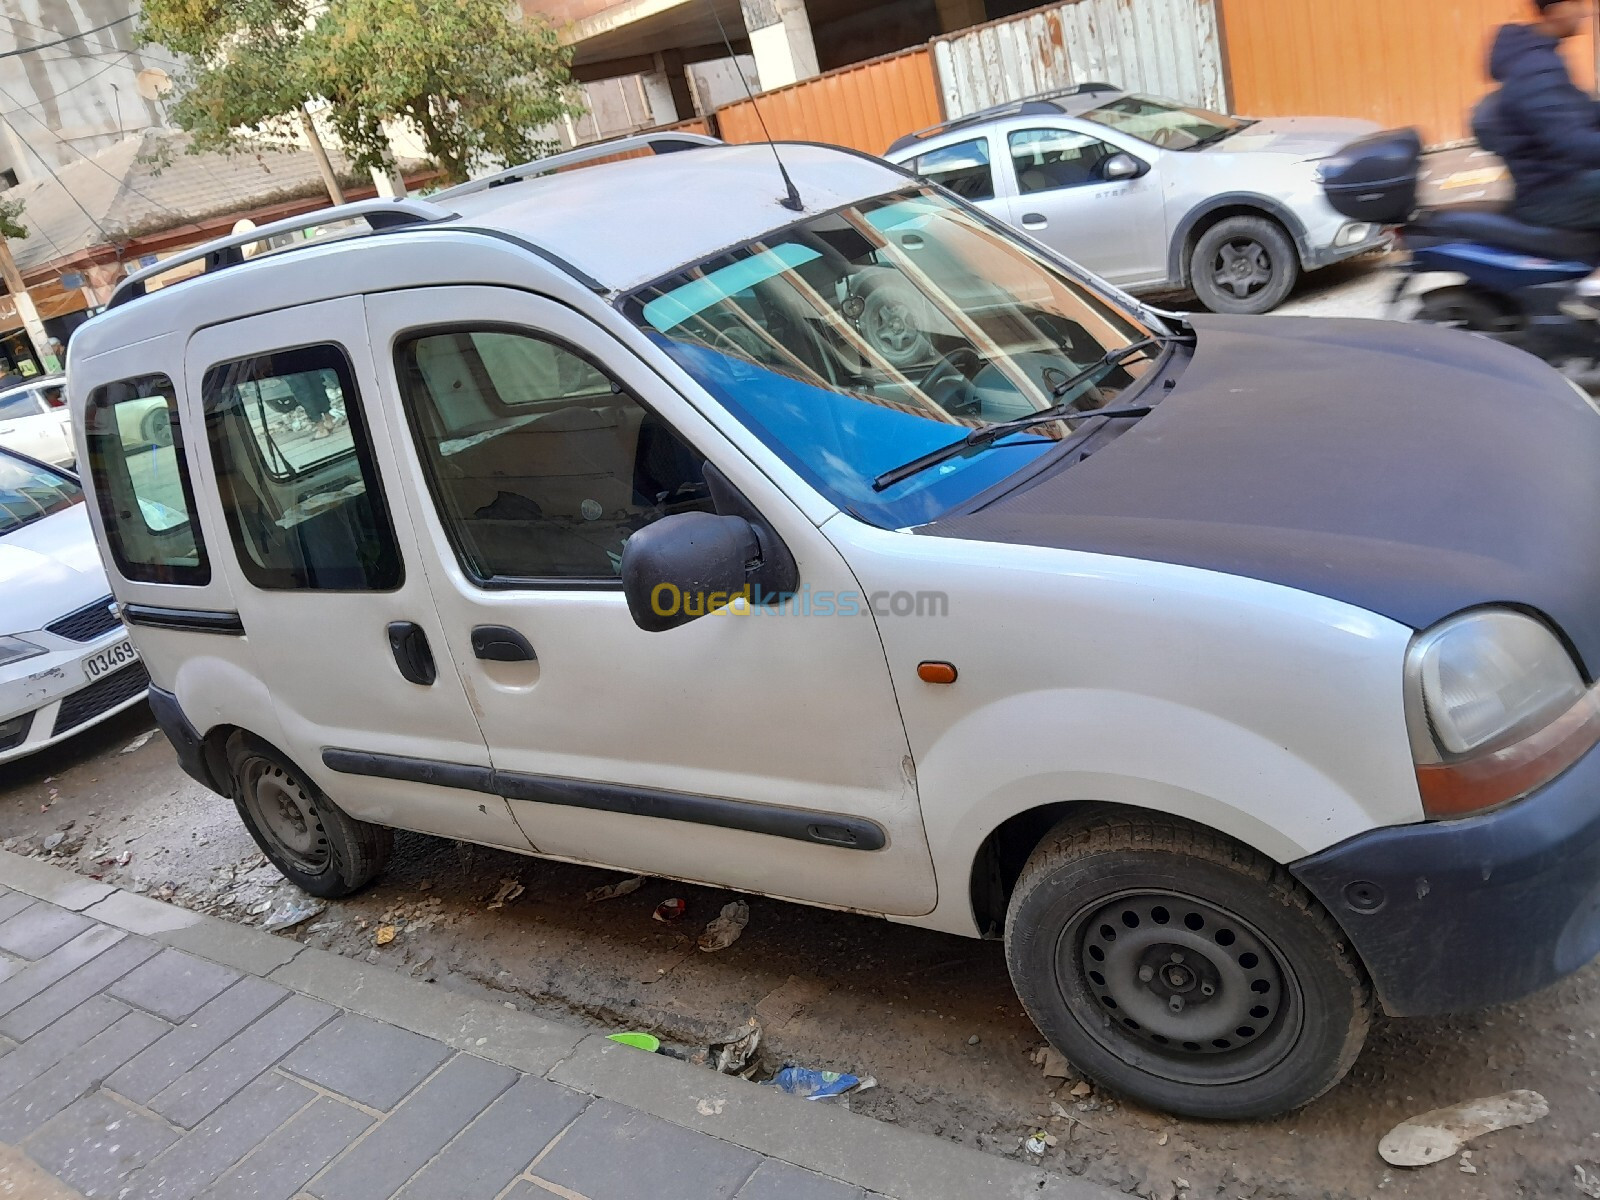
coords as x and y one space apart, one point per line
304 834
1465 307
1263 947
1244 265
156 428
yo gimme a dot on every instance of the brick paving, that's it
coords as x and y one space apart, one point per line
133 1069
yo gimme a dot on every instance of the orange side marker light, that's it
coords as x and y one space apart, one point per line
936 672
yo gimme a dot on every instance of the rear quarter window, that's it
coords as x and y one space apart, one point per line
141 482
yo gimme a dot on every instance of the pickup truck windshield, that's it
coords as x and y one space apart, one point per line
854 341
29 493
1164 123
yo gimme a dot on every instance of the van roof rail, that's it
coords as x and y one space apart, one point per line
660 143
229 251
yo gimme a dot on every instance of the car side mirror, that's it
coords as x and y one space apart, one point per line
1123 166
686 566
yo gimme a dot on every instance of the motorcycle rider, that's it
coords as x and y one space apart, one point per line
1547 130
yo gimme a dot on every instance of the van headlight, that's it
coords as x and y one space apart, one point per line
15 649
1495 708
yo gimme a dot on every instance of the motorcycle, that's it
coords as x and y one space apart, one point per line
1516 274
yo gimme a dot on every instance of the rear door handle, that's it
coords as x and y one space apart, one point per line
1034 221
411 652
500 643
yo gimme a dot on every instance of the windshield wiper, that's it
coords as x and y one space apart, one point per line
987 435
1211 139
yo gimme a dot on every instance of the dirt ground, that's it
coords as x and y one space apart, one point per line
931 1017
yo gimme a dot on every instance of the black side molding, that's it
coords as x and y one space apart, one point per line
190 620
185 738
800 824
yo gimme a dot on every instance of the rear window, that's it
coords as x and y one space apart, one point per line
141 481
963 168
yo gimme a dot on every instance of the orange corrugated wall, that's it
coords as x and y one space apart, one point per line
865 106
1397 62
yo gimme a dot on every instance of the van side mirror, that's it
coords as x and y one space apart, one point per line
1123 166
685 566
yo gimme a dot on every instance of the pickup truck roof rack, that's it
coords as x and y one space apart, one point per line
229 251
1045 104
660 143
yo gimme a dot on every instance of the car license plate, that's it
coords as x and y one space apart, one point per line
109 659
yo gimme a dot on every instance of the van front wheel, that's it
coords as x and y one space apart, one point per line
1184 971
316 846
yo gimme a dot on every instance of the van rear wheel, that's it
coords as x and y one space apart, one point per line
304 834
1184 971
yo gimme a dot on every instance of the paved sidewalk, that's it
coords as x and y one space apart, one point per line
151 1053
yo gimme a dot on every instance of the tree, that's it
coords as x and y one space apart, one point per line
246 81
471 80
11 225
474 84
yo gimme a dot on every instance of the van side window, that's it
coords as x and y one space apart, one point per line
141 482
295 473
540 464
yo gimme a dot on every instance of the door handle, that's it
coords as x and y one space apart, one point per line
1034 221
412 653
499 643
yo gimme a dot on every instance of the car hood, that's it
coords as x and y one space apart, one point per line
1302 137
48 569
1410 470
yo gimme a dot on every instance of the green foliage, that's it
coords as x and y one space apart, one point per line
247 80
473 82
11 225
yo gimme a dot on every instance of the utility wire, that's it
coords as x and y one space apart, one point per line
34 150
120 180
74 37
65 40
86 80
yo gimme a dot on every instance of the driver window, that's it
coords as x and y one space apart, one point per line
1048 159
963 168
540 464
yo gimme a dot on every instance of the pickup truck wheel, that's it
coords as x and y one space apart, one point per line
317 848
1244 265
1184 971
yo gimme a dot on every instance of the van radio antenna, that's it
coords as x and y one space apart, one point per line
791 199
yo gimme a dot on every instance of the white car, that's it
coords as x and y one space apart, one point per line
1151 194
816 535
34 420
65 659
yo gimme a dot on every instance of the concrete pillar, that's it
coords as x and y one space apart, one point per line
669 65
388 181
780 41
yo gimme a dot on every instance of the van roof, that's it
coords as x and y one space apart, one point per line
615 225
625 223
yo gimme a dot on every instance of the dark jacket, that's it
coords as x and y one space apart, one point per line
1541 124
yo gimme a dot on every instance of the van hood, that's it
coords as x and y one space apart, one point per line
1302 137
1409 470
47 569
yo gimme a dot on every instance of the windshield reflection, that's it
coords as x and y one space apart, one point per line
858 339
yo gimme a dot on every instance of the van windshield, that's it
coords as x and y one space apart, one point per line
854 341
30 492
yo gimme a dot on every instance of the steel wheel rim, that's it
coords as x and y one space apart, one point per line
891 326
287 815
1242 266
1116 969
